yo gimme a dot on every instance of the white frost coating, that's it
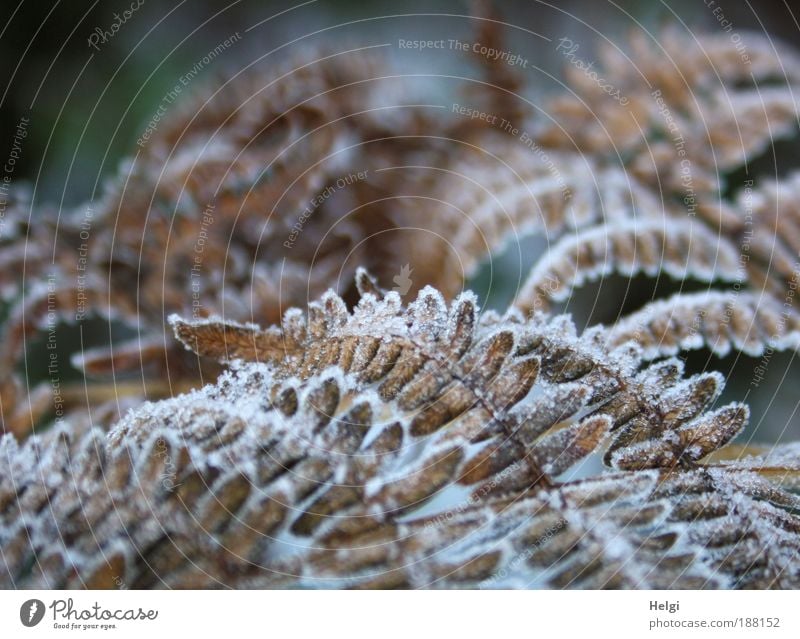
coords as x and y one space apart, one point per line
445 503
237 410
559 273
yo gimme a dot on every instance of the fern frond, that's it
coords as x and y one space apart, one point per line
371 442
326 467
718 320
648 247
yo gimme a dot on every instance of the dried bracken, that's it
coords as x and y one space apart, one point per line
270 187
405 447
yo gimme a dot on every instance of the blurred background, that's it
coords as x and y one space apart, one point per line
88 105
88 77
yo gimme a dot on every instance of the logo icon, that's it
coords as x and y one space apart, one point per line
403 280
31 612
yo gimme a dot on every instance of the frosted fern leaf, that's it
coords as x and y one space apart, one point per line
425 445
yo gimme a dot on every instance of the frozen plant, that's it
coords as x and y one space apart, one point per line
357 436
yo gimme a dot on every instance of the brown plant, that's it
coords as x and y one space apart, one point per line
374 441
